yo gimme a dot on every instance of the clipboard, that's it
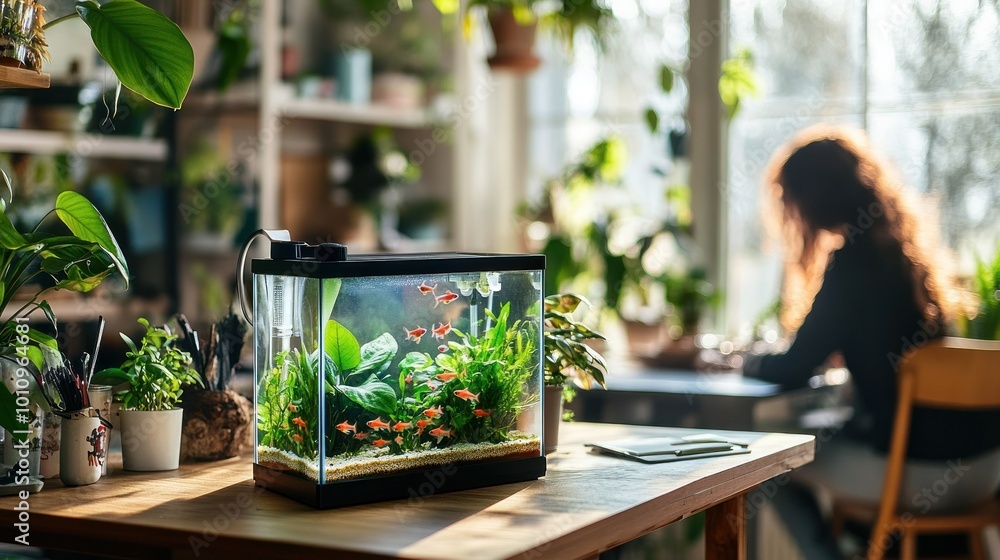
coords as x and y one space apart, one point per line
669 449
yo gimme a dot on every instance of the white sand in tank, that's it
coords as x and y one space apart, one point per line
375 461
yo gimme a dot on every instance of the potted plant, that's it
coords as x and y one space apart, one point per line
217 420
567 356
514 25
156 372
78 261
984 322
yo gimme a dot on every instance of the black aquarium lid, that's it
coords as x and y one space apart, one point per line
399 264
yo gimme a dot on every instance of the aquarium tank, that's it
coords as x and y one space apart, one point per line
379 374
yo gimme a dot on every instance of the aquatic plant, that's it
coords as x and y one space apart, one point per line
286 405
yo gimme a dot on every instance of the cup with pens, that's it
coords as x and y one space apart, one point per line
83 442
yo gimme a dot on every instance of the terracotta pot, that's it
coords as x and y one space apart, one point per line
514 43
644 339
553 416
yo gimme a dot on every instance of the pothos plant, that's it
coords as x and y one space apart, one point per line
156 370
567 355
78 261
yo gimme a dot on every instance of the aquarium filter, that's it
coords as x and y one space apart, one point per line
372 372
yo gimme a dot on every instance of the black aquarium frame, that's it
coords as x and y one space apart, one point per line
400 264
417 484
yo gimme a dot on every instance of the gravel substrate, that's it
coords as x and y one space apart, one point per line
375 461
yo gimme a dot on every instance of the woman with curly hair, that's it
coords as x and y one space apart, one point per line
865 279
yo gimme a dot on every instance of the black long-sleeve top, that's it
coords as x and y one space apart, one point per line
867 311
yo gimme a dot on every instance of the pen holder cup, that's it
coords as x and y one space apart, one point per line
83 447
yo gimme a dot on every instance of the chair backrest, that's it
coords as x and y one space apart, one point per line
954 373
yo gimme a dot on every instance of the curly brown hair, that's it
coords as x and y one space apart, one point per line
827 185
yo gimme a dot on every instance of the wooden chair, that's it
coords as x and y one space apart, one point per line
954 373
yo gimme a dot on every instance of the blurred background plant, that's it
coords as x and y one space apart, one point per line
212 193
985 323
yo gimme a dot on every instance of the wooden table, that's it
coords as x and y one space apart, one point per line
586 503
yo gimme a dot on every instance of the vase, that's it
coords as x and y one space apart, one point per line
22 44
515 42
151 439
83 447
553 410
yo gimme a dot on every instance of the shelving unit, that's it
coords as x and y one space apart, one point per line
338 111
44 142
319 127
11 77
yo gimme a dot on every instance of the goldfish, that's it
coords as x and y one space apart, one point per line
380 442
441 331
480 413
442 348
433 412
445 298
361 435
467 395
399 440
292 407
378 424
400 426
425 289
345 427
440 432
416 334
299 422
446 376
297 438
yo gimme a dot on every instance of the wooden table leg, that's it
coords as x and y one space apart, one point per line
726 531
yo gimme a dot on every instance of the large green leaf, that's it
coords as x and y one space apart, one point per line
341 345
86 222
376 356
311 315
10 238
373 395
147 51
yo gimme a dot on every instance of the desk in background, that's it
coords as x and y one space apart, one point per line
726 400
585 504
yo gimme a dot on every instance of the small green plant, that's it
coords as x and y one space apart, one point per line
567 356
156 370
985 323
689 295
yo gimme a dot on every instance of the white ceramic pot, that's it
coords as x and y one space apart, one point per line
83 447
151 440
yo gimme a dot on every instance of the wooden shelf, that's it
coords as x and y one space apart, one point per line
338 111
46 142
11 77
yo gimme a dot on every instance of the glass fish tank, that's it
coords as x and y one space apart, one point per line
378 376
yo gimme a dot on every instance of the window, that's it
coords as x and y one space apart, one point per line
920 76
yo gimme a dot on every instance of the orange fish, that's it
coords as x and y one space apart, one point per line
416 334
446 376
299 422
425 289
399 440
442 348
381 442
400 426
440 432
441 331
433 412
421 424
297 438
433 386
378 424
446 298
345 427
361 435
409 378
480 413
467 395
292 407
